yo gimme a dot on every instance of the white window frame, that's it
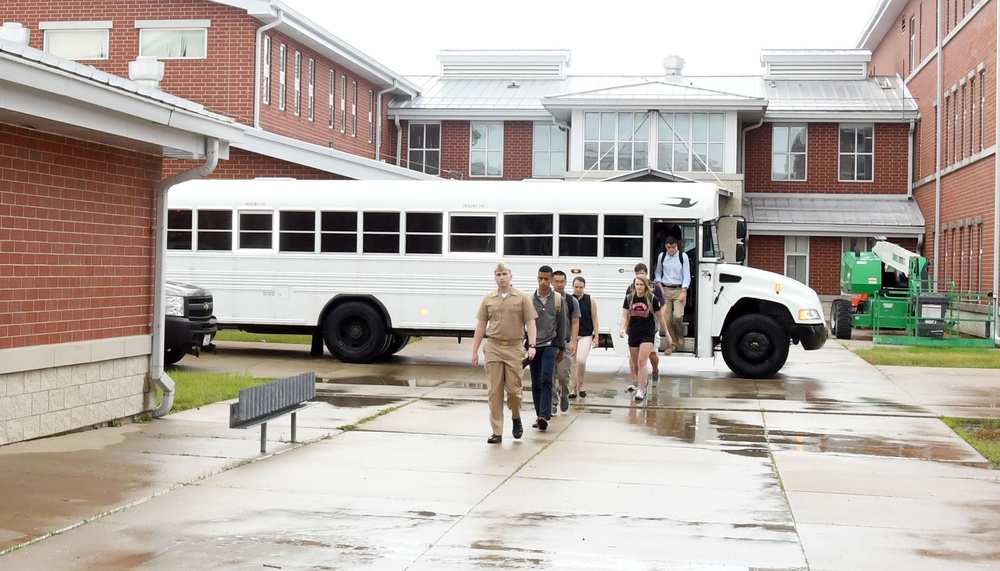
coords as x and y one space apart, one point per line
544 153
607 142
266 73
792 250
297 85
853 153
311 94
699 149
488 150
354 109
371 115
200 26
786 155
282 73
98 30
333 84
343 103
421 165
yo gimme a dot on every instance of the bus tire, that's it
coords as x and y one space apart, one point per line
840 318
755 346
396 343
355 332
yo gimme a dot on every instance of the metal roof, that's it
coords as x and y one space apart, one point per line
832 214
877 98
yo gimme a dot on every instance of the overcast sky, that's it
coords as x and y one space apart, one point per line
715 37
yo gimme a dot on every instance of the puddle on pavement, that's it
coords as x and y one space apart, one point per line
381 380
711 428
356 401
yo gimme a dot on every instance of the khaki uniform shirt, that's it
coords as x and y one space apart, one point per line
505 316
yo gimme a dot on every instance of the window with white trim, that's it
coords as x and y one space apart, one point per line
788 152
857 153
282 67
266 84
548 151
77 40
173 39
297 85
691 142
424 148
797 258
615 141
354 109
311 94
333 82
486 150
343 104
371 115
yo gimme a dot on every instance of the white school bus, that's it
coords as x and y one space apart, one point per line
364 265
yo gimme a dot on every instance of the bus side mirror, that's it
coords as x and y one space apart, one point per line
741 252
741 230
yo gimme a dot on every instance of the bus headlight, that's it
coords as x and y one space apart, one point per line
175 305
809 315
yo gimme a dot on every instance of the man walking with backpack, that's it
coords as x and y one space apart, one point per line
673 272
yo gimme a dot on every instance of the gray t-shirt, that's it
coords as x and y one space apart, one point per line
549 329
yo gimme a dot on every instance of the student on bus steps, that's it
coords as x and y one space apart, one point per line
504 316
673 272
550 331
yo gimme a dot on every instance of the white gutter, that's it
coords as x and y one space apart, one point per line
996 210
156 373
378 120
257 66
937 142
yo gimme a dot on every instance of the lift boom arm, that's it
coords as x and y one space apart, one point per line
895 257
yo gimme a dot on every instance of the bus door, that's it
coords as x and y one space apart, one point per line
687 234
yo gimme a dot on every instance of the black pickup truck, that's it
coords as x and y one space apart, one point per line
190 325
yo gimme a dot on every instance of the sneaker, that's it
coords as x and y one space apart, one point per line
639 395
633 387
555 409
656 378
564 403
583 394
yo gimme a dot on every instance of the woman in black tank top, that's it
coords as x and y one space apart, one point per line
588 338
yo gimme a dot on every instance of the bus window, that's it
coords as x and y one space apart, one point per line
338 232
179 231
215 230
424 232
473 233
527 235
578 235
296 231
623 236
255 230
381 233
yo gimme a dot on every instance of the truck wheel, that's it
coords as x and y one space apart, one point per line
354 332
840 318
755 346
396 343
171 355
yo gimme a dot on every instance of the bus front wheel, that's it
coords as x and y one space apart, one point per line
354 332
755 346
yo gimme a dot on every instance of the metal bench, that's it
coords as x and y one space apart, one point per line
263 403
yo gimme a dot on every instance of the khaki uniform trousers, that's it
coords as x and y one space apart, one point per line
503 375
674 312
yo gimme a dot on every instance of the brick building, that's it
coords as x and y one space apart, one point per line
81 156
948 60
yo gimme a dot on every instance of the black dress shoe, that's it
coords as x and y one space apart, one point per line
542 424
495 439
518 428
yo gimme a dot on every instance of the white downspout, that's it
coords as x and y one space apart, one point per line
156 373
996 211
743 150
257 66
378 121
399 143
937 143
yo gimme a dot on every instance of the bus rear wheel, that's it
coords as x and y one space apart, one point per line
396 342
354 332
755 346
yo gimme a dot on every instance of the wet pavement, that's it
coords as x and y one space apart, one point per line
835 465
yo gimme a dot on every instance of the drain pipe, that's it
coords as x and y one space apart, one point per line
257 66
743 151
939 89
399 143
156 372
378 122
996 219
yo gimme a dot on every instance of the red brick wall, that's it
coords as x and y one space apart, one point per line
76 245
224 81
518 139
243 164
891 146
967 177
767 253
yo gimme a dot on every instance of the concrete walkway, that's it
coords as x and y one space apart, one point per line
835 465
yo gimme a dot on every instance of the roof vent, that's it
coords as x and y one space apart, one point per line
14 32
146 70
673 66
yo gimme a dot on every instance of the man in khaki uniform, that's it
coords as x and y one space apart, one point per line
502 318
